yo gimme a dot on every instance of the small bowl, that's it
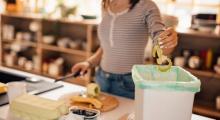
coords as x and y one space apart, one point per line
75 45
63 42
48 39
217 69
83 113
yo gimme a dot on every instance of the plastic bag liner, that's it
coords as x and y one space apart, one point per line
175 79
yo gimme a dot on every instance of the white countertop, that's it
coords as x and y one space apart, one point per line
125 106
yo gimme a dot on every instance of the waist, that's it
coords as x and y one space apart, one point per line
114 74
120 63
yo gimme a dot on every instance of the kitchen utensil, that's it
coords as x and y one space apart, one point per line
73 75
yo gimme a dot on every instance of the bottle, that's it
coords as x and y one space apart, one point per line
209 59
11 6
217 29
20 6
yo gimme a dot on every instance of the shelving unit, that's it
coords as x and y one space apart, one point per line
29 44
196 41
85 29
210 74
22 69
64 50
191 32
206 109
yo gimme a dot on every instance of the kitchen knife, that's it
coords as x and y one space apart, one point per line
73 75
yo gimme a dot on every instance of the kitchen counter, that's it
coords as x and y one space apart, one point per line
126 105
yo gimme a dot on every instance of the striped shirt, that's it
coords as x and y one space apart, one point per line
123 36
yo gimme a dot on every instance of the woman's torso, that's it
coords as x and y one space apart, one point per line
123 38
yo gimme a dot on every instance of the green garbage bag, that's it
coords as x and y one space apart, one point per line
175 79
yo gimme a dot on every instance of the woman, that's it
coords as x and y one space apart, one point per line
123 35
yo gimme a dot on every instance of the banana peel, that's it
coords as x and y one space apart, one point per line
93 90
158 53
164 68
79 99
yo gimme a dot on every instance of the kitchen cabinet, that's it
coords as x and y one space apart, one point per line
205 101
26 34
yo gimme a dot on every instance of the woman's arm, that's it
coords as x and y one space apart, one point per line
167 38
93 61
96 58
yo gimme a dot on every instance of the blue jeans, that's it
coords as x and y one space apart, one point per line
117 84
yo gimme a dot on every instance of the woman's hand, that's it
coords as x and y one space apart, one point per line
82 67
93 61
168 40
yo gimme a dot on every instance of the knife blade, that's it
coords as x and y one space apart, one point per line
73 75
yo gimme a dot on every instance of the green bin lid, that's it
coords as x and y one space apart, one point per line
175 79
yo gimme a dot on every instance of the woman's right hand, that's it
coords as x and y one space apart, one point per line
82 67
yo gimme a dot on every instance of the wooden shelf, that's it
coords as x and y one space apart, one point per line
210 74
81 22
42 17
206 109
197 33
89 26
31 44
64 50
22 69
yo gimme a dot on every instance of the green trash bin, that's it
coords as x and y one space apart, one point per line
163 95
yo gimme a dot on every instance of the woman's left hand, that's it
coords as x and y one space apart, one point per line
168 40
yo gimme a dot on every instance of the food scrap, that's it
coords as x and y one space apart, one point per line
160 58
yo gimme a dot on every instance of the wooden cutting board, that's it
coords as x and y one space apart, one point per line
109 103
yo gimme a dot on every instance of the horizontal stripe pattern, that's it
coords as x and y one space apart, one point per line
128 34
